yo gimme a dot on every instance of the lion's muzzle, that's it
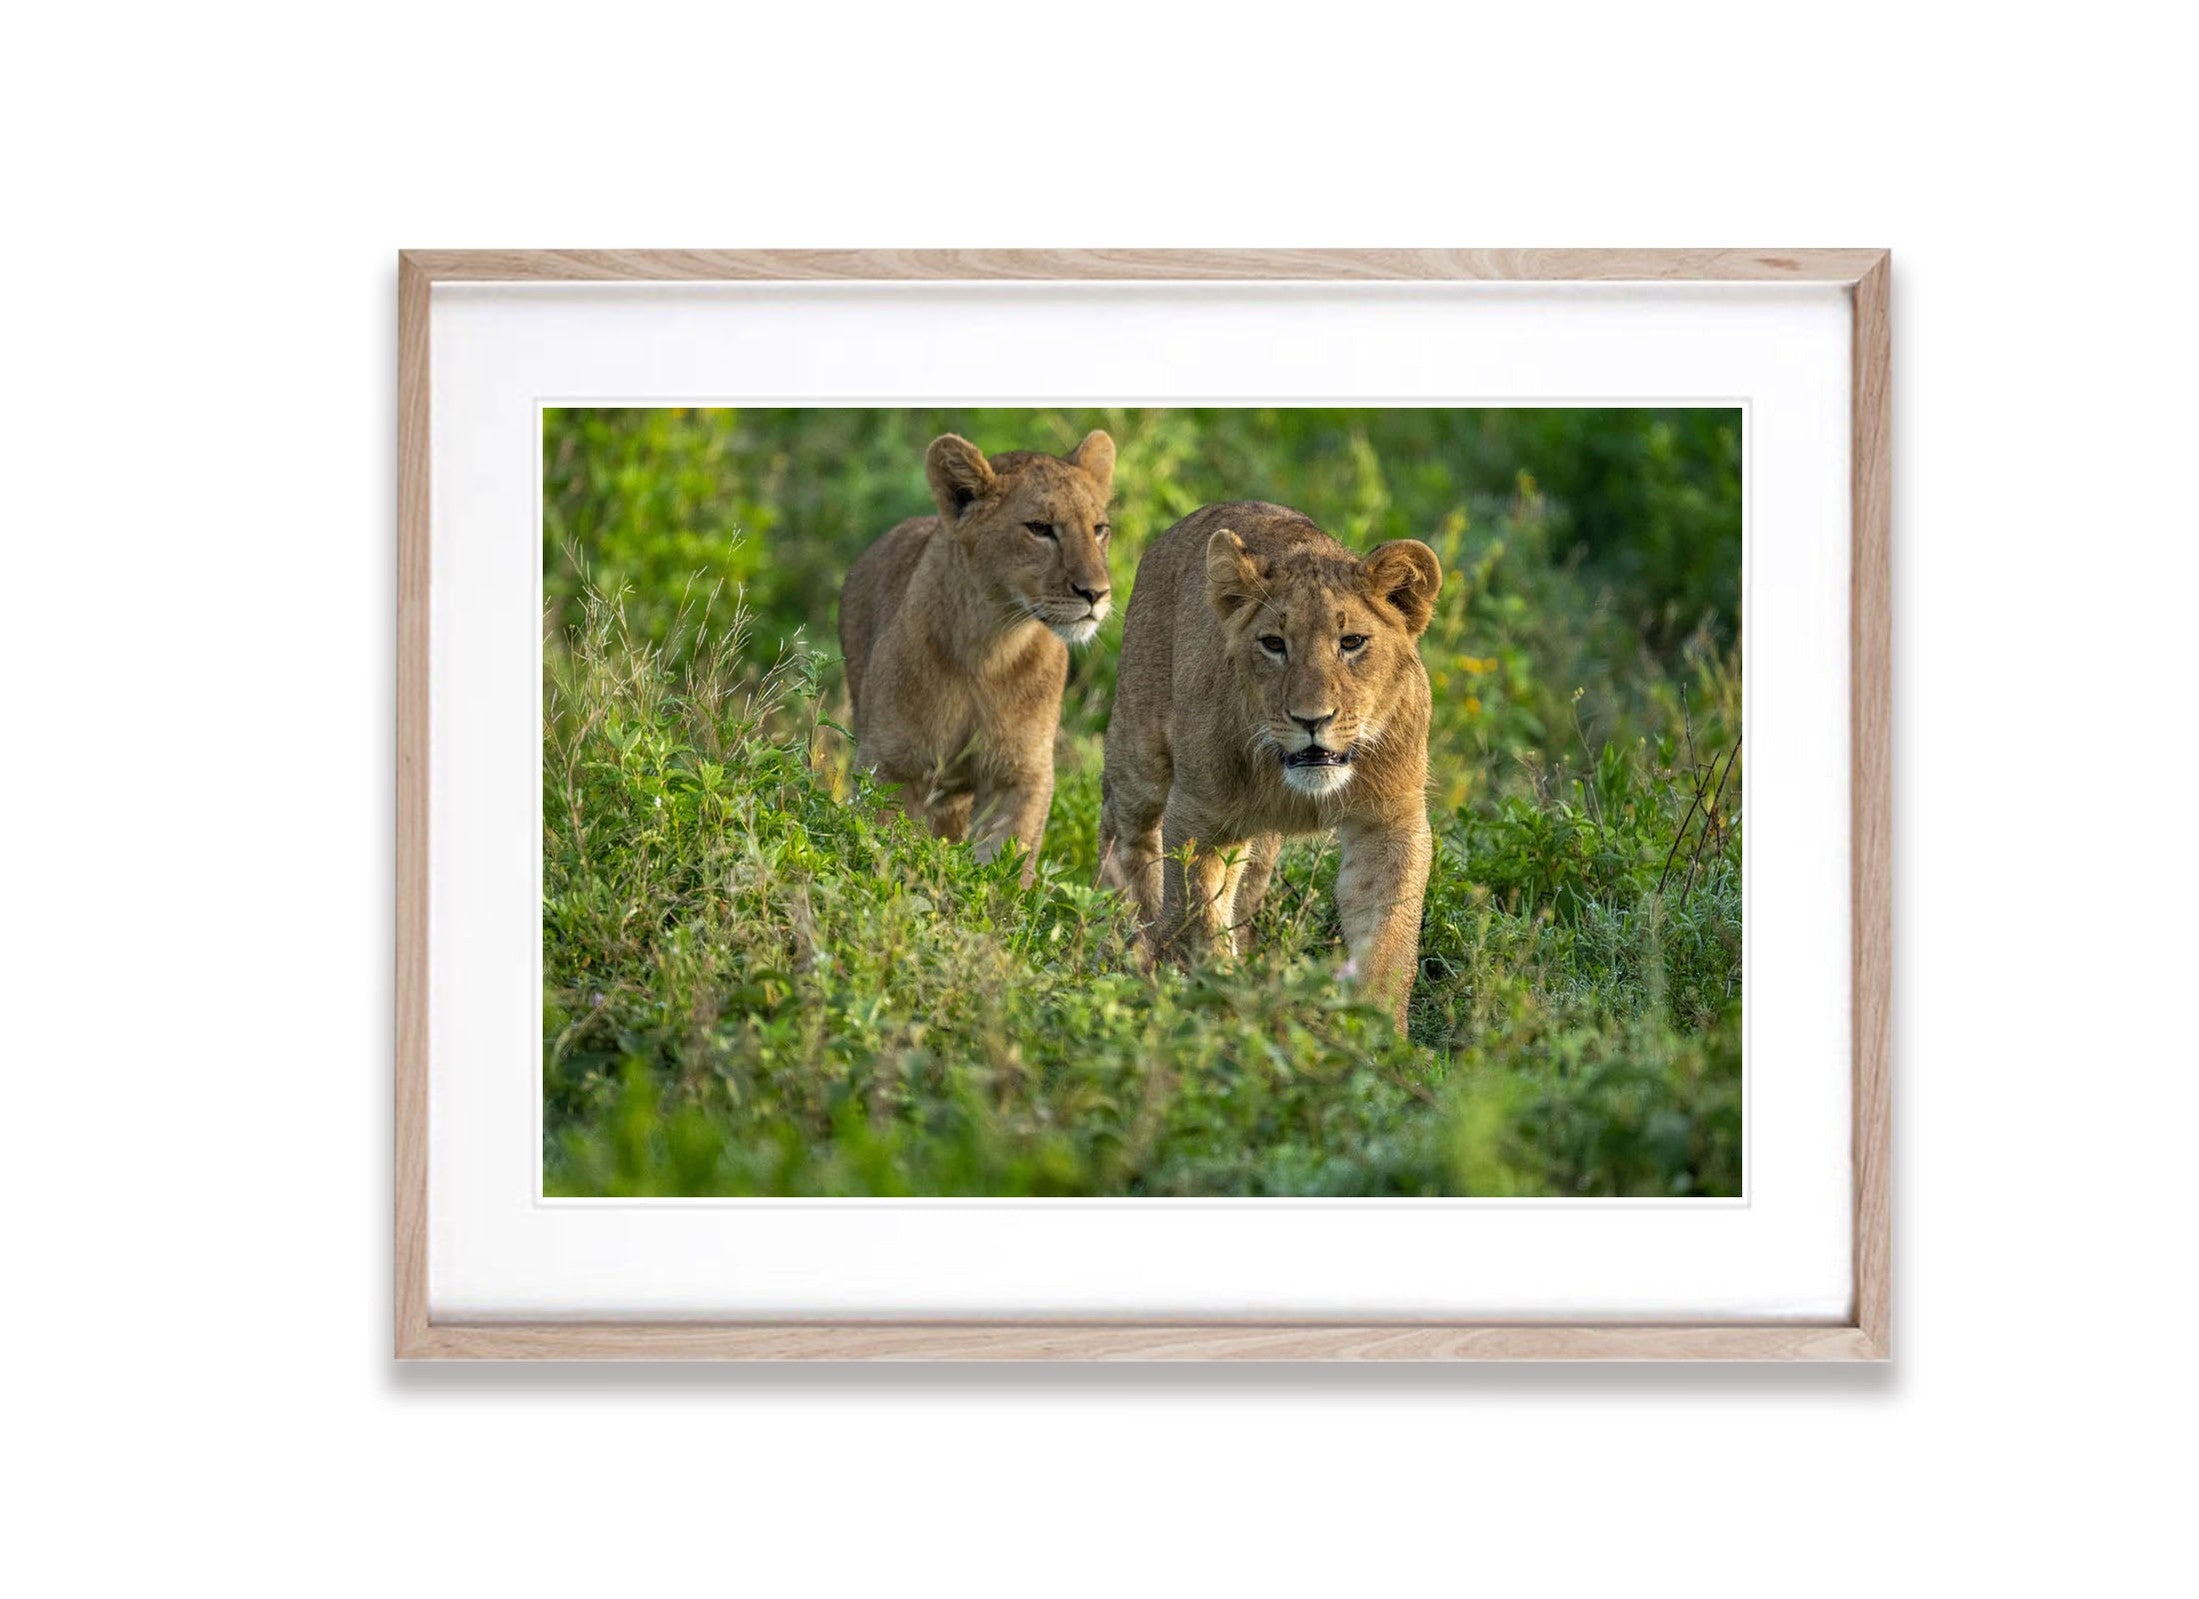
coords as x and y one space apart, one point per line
1316 770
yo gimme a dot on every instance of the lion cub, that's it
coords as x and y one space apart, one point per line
954 626
1270 684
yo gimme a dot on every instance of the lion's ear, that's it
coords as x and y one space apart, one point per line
1096 455
958 473
1231 578
1404 575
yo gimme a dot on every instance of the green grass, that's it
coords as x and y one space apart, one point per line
760 982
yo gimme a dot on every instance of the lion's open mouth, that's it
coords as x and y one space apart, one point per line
1313 755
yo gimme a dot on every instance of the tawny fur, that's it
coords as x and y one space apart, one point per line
1205 714
953 627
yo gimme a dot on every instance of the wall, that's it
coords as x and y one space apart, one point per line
199 510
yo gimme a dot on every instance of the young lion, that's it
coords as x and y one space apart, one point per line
1271 684
953 627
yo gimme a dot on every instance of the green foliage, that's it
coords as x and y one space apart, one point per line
757 980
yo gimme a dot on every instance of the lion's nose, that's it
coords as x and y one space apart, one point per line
1313 724
1091 597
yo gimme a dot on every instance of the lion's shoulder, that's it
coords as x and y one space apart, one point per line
877 584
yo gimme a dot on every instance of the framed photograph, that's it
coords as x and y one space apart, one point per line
1251 804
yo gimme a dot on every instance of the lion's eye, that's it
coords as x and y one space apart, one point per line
1044 530
1272 643
1353 643
1101 532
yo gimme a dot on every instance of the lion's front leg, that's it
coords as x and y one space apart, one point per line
917 796
1260 856
1199 876
950 817
1381 878
1015 808
1130 848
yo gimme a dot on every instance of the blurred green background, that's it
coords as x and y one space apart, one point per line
755 986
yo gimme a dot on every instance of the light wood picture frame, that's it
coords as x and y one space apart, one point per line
1864 1335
